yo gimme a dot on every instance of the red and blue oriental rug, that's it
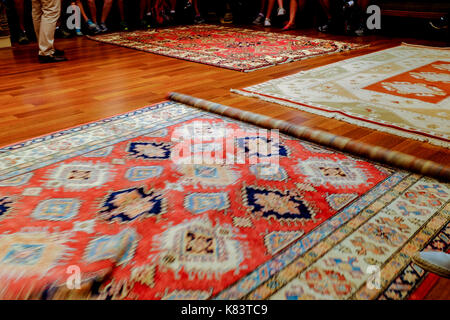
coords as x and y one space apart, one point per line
232 48
108 202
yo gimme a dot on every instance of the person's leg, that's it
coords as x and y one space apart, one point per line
172 8
83 13
107 4
295 5
363 4
228 15
173 5
51 9
281 11
260 17
18 4
121 9
92 23
142 7
270 6
93 9
326 8
156 8
292 14
331 23
263 6
123 22
361 28
36 13
198 17
145 13
195 3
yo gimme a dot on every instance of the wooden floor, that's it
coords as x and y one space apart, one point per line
102 80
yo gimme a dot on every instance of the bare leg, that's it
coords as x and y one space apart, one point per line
270 5
93 10
106 9
263 6
292 13
18 4
83 13
195 3
142 7
326 7
280 4
121 10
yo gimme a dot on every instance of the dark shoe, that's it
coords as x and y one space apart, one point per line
199 20
61 33
145 24
441 23
360 31
58 53
103 27
165 17
23 39
188 5
124 26
259 20
227 18
50 59
93 28
326 28
172 16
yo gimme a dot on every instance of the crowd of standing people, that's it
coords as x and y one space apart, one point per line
94 16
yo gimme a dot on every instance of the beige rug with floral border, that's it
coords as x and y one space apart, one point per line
403 90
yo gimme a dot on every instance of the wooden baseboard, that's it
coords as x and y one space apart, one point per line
5 42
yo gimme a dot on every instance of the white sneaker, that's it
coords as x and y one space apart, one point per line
434 261
281 12
267 23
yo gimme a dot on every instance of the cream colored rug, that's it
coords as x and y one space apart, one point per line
403 90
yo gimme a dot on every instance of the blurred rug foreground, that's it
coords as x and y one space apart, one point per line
403 90
112 202
232 48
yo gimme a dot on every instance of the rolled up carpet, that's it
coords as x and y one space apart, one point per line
340 143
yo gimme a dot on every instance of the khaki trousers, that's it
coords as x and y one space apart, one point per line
45 16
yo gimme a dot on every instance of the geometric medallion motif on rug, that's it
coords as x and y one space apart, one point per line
233 48
108 198
403 90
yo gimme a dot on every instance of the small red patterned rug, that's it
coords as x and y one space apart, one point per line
231 48
111 198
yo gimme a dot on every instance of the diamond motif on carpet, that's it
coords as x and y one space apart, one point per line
233 48
307 227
